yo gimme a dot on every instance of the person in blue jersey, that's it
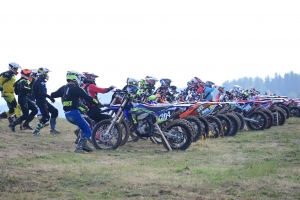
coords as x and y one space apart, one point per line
40 94
208 89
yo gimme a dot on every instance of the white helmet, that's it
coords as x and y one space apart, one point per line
14 67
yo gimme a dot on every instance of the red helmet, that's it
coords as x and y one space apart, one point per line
90 75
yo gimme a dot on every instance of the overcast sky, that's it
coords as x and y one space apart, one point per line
215 40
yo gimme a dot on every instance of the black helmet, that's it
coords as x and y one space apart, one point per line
165 82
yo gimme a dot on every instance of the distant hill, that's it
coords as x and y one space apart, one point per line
287 85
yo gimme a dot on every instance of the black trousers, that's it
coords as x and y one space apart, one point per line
95 114
46 109
26 106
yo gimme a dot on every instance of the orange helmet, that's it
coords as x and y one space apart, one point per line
25 73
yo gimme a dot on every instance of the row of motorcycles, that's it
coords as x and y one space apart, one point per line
186 117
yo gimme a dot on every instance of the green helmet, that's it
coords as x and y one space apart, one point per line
142 83
73 76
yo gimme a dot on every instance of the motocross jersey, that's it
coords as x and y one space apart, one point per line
7 80
208 95
146 94
93 90
24 87
70 94
40 89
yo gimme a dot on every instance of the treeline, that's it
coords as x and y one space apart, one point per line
287 85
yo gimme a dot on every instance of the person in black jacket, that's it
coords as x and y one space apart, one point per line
23 90
40 94
70 94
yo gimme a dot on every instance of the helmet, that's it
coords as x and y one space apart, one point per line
89 77
14 67
25 73
197 80
132 89
133 85
221 88
132 82
165 82
194 82
73 76
82 78
43 72
209 84
33 73
142 83
150 81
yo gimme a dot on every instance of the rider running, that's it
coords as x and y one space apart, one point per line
23 90
7 80
70 94
40 93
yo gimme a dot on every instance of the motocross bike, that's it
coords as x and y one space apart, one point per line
212 126
278 101
227 97
151 120
195 123
291 104
223 109
279 113
256 120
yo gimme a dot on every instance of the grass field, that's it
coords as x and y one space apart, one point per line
251 165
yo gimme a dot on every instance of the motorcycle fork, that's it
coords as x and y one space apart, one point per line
117 118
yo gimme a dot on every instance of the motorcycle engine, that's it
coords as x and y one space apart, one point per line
145 126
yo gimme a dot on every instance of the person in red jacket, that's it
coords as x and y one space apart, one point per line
94 111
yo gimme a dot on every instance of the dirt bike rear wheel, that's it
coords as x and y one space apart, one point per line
286 110
241 118
226 123
216 126
261 119
279 116
270 117
235 121
205 126
196 123
295 111
181 132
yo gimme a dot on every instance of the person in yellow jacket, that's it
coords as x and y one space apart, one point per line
7 81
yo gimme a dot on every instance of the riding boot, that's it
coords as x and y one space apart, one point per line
53 126
38 127
13 124
82 146
3 115
86 147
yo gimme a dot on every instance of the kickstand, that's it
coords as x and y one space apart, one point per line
246 127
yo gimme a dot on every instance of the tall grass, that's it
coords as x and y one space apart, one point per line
251 165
